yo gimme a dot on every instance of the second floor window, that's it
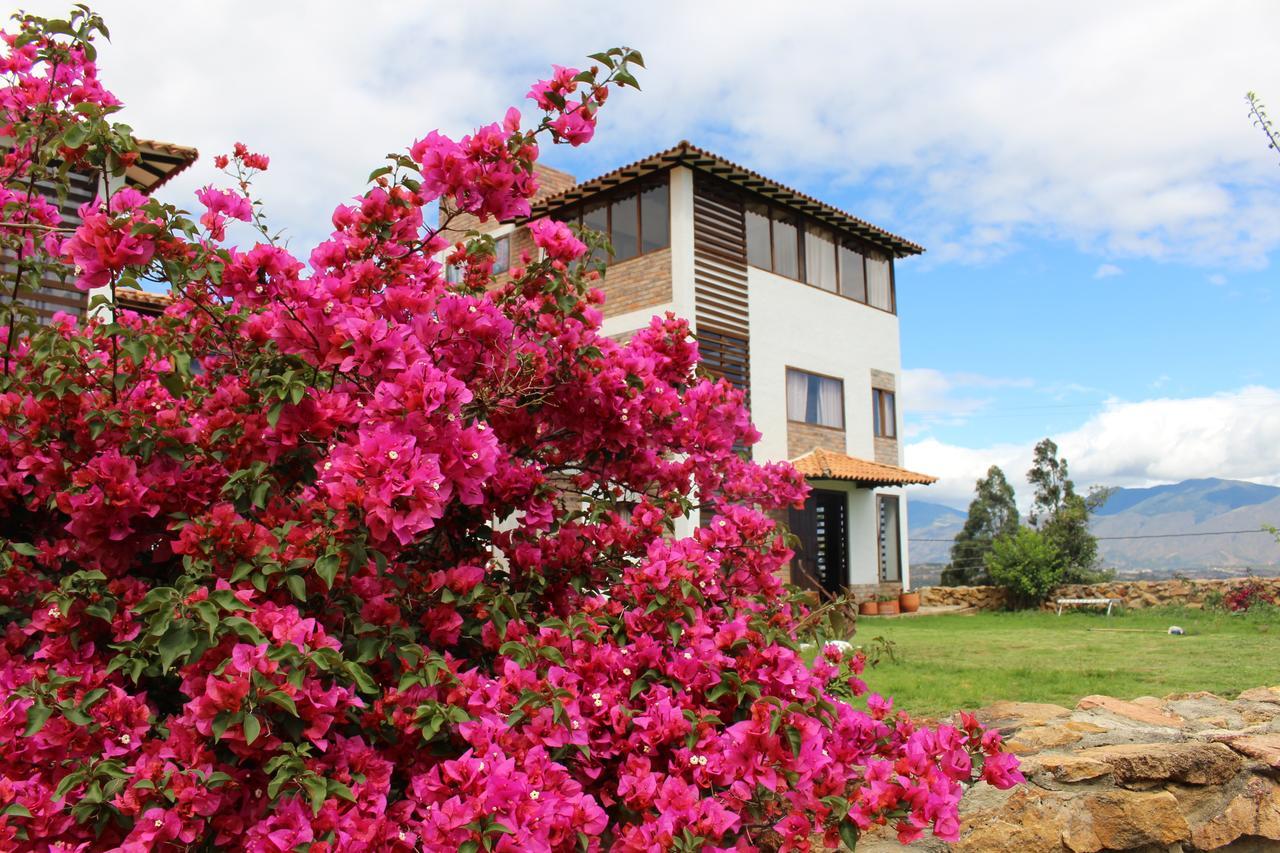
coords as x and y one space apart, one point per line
501 260
502 254
784 244
883 413
814 399
636 221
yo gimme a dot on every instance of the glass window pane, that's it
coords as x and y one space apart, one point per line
759 254
655 218
878 294
597 219
625 225
502 254
830 402
890 418
786 248
820 258
852 276
815 399
797 394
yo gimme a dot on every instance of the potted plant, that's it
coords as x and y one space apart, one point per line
888 605
868 608
908 601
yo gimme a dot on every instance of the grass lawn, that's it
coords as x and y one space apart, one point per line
953 662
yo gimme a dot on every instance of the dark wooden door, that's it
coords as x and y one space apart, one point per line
822 555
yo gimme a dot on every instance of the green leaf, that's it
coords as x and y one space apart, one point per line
15 810
37 716
341 791
297 586
327 568
283 700
316 791
252 728
24 549
849 833
796 739
178 640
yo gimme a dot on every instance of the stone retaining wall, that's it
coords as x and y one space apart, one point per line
1189 772
1134 594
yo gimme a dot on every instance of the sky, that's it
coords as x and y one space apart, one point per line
1101 217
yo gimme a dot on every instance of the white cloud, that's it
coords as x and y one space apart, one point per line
1218 279
1231 435
1107 271
967 126
932 397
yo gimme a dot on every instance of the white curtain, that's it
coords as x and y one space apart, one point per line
878 283
830 403
797 394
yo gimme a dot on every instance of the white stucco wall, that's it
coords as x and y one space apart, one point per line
795 325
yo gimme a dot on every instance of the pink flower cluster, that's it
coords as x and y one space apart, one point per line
335 554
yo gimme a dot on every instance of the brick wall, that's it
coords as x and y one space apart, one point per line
551 181
802 437
887 451
637 283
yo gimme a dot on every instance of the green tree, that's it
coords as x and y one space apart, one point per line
1062 515
1027 564
992 514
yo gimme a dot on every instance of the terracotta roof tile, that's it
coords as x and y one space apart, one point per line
142 301
821 464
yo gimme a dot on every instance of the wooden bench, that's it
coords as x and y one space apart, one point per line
1095 602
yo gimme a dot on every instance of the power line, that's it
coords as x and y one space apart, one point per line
1142 536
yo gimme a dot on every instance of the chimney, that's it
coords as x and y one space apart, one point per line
551 181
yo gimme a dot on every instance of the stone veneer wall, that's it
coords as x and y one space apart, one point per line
639 282
1135 594
802 437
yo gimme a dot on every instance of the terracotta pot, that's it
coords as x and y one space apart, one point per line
868 608
888 608
909 601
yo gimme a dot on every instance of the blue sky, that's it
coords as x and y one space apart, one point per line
1102 220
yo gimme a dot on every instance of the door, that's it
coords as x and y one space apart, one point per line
822 556
890 538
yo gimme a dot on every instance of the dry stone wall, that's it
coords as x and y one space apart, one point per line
1187 773
1133 594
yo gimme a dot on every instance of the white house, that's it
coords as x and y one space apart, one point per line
791 299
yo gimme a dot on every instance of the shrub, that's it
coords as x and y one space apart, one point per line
1027 565
1247 595
254 594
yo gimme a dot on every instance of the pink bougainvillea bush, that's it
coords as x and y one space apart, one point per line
335 555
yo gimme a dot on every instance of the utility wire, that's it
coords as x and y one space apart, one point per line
1142 536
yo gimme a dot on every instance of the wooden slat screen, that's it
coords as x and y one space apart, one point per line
720 282
54 293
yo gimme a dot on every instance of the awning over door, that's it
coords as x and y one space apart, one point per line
822 464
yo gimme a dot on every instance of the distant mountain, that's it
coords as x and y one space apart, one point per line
925 514
1203 498
1200 511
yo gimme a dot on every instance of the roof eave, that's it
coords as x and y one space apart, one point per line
691 156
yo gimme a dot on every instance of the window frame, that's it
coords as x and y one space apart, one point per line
573 213
882 498
878 418
803 222
843 419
